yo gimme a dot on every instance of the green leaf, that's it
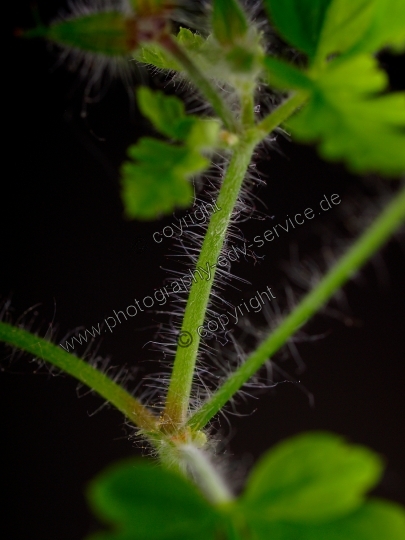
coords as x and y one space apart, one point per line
350 122
145 502
310 478
284 75
155 56
299 21
229 22
166 113
323 27
387 28
375 520
345 23
157 182
190 41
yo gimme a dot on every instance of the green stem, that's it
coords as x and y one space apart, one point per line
279 115
247 105
178 396
384 226
84 372
203 84
204 474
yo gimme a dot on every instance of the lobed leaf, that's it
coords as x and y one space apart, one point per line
375 520
156 182
350 122
310 478
320 28
145 502
155 56
166 113
344 25
387 28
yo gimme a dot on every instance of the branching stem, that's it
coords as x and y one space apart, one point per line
82 371
386 224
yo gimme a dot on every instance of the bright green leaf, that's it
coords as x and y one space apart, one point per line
376 520
229 22
166 113
353 124
345 23
323 27
387 27
156 182
284 75
310 478
299 21
146 502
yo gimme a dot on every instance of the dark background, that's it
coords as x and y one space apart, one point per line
67 247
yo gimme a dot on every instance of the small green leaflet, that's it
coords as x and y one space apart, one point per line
351 122
145 502
156 180
155 56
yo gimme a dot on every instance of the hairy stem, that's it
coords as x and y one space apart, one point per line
204 474
178 396
371 240
203 84
279 115
82 371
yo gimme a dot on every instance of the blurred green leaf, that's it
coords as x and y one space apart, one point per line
344 25
350 122
166 113
313 477
324 27
229 22
155 56
189 40
375 520
156 182
110 33
145 502
299 21
387 28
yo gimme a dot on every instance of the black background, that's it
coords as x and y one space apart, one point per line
67 246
